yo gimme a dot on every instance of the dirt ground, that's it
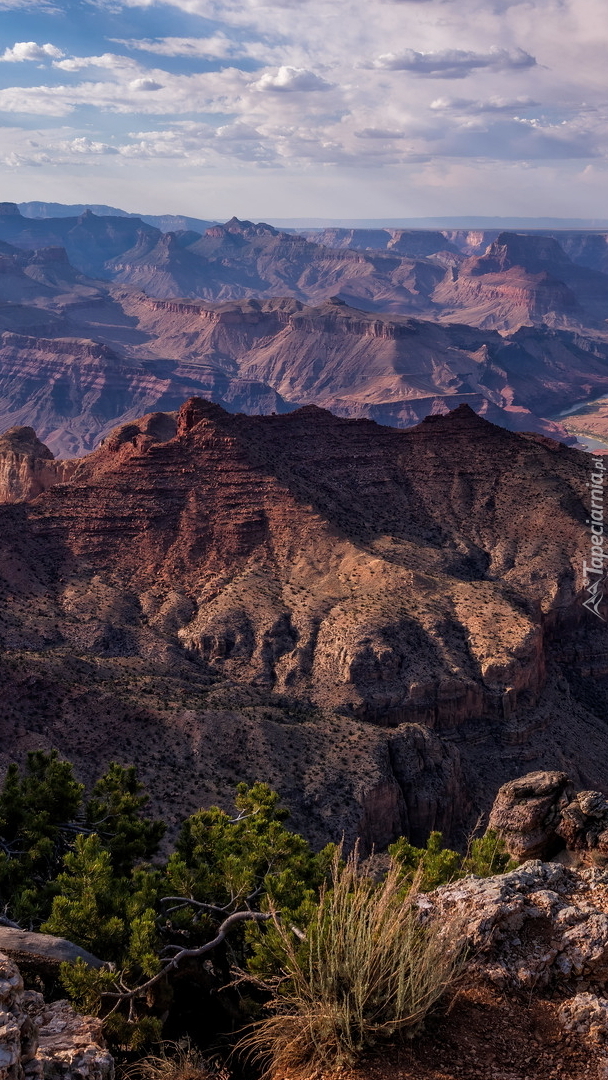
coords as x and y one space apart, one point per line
486 1035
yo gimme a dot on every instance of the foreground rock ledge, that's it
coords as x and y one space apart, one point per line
40 1041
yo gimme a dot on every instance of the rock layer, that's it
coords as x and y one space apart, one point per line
383 586
27 466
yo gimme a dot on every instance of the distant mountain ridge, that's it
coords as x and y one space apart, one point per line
414 272
52 209
105 317
164 222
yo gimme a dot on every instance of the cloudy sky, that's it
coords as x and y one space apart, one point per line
307 108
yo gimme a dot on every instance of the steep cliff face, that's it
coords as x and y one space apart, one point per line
264 321
523 279
27 466
386 583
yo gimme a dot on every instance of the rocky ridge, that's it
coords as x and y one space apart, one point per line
262 320
328 604
496 280
133 354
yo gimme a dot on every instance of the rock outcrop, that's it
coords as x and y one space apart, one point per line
536 935
46 1041
539 925
527 813
200 591
583 825
539 815
18 1032
27 466
42 953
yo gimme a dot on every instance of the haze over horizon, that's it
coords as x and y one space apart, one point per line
277 110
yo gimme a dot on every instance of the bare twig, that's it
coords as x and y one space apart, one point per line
243 816
183 901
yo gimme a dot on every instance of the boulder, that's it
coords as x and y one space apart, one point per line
40 1041
583 825
527 812
540 925
41 954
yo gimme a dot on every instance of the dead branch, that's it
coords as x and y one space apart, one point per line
232 920
5 921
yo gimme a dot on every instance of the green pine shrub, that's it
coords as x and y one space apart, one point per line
435 865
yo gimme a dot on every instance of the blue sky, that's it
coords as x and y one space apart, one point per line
295 108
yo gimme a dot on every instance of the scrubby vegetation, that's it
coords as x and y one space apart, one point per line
435 864
365 969
325 959
175 1062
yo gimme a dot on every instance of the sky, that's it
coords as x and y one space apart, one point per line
307 108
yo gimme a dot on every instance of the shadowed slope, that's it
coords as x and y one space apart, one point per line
353 612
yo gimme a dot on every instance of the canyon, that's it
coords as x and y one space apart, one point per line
106 318
384 624
350 564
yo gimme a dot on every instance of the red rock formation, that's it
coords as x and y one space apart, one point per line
392 583
135 354
524 280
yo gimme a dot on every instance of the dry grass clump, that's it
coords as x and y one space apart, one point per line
175 1062
367 969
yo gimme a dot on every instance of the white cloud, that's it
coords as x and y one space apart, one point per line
212 91
145 84
84 145
109 61
288 79
494 104
378 133
45 6
454 63
217 47
30 50
237 132
531 82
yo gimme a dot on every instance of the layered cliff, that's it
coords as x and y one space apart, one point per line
27 466
524 280
352 612
262 320
91 361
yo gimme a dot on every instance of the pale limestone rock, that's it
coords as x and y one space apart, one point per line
539 925
27 466
586 1014
18 1035
40 1041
